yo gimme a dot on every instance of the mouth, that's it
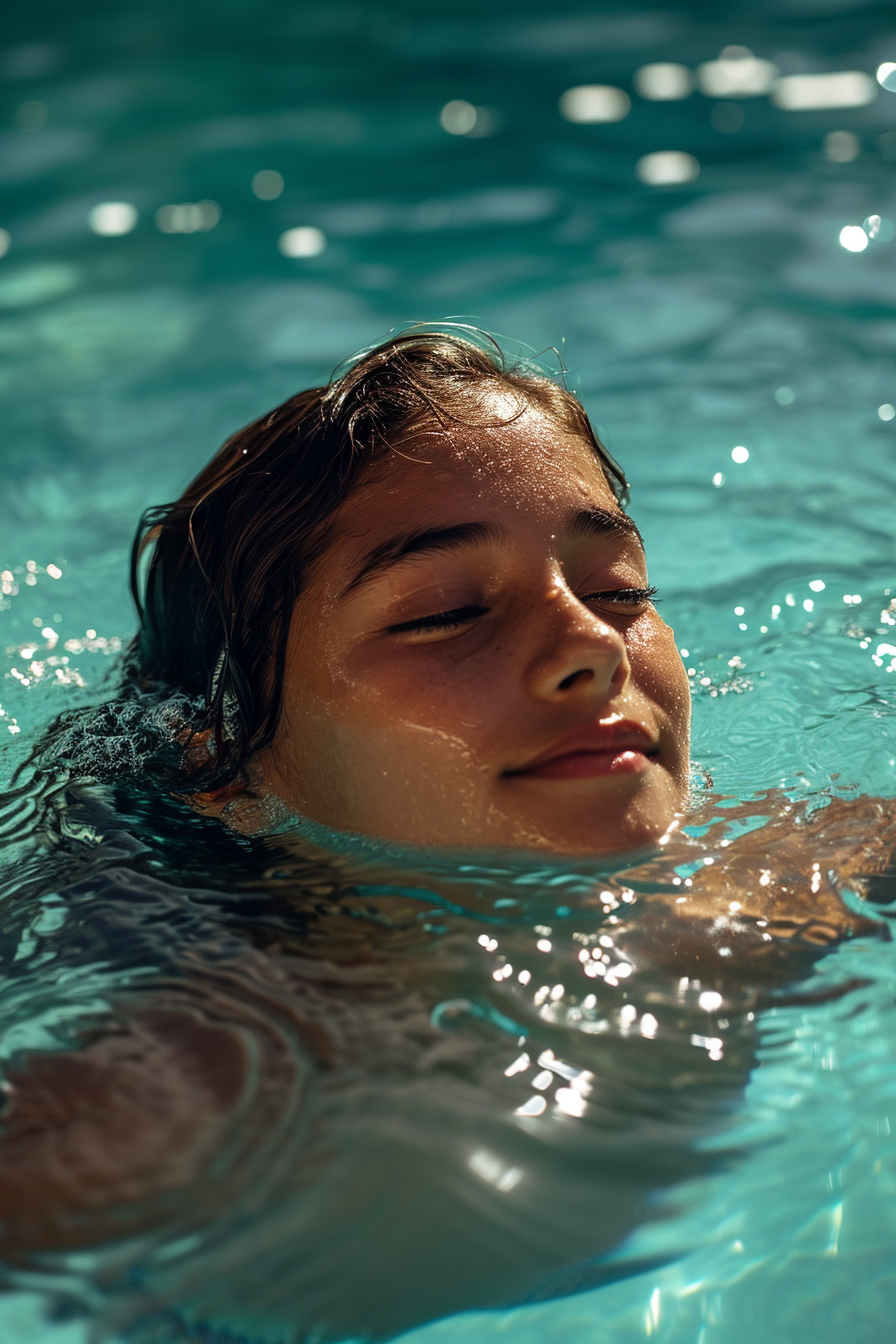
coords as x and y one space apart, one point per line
619 747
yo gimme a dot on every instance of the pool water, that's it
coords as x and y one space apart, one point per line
739 362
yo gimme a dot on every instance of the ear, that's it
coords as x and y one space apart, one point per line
215 802
245 806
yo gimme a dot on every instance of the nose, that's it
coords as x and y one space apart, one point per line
581 656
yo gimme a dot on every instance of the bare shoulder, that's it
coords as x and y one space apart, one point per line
839 838
770 874
858 834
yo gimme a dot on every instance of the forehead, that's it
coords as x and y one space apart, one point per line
532 464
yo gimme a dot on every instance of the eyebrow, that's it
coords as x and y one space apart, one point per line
584 524
603 523
427 542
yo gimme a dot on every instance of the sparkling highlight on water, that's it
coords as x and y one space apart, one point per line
303 241
667 167
592 103
113 219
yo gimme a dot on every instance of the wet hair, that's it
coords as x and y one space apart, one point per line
216 574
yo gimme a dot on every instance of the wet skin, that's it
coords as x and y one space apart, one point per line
550 711
506 682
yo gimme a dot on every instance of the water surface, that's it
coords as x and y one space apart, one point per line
694 319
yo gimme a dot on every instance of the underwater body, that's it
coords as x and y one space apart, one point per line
366 1125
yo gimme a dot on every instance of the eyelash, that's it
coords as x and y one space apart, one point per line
440 620
458 616
629 597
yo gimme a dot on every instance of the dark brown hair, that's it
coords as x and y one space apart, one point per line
216 574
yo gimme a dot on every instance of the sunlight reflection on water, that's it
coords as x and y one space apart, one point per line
203 215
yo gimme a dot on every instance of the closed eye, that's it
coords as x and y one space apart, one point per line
635 598
440 621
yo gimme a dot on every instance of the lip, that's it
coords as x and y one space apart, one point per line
620 747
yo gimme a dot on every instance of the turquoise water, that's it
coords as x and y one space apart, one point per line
694 319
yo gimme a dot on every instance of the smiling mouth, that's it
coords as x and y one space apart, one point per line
602 749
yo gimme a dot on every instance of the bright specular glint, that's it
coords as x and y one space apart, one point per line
854 238
664 81
815 92
736 74
879 229
112 219
668 167
303 241
591 103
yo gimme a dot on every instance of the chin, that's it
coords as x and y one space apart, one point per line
602 826
607 843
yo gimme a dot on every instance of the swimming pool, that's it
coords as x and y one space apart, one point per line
697 320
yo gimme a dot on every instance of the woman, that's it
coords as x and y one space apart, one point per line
410 607
417 610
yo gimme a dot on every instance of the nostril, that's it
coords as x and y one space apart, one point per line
575 677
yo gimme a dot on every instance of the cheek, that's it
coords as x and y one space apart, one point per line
434 688
376 712
658 669
375 744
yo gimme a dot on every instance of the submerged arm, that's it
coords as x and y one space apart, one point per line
91 1140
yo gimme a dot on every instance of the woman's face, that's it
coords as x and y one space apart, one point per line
475 659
